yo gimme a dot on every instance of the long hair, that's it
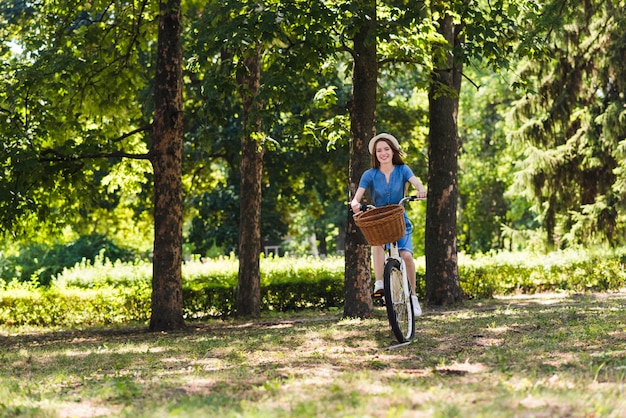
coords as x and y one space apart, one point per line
397 154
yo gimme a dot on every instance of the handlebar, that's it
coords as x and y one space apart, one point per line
405 199
411 199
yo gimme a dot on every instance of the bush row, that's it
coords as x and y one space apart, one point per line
105 292
569 271
54 306
109 293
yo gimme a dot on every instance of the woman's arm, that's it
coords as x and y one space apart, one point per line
421 190
355 204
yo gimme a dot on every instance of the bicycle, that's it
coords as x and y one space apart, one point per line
386 227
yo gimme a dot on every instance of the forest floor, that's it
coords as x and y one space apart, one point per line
545 355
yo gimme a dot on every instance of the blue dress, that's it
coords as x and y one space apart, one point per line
389 193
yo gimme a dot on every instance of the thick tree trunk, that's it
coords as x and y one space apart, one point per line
166 157
249 288
358 300
442 277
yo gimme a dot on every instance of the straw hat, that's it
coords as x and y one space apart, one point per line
390 137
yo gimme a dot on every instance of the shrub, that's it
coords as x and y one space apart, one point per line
44 261
106 292
116 292
568 271
286 284
22 303
302 283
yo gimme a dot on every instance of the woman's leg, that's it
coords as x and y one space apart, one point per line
409 263
378 256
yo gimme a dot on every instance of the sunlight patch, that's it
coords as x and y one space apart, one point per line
532 402
83 409
319 376
197 386
560 359
548 298
482 341
463 368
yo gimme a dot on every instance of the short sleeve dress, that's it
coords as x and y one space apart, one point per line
390 193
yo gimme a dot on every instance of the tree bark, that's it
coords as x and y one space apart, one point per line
442 277
166 158
249 282
357 282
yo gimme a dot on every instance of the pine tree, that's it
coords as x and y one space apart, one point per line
573 125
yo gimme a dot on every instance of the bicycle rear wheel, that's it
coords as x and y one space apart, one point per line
398 302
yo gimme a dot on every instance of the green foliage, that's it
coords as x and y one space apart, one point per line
487 168
209 289
75 97
216 220
565 271
105 292
303 115
71 94
24 303
117 292
42 262
305 283
286 284
572 128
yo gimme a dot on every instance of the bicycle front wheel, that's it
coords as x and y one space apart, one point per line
398 302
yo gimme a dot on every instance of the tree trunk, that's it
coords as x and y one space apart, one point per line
321 236
249 283
442 277
357 283
166 158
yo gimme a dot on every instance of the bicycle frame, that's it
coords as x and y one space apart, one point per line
393 252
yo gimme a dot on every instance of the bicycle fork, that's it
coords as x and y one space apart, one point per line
394 254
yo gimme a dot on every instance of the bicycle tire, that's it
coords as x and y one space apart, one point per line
399 305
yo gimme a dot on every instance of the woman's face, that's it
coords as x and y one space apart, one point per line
384 152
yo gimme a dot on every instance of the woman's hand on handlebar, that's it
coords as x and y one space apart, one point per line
421 195
356 206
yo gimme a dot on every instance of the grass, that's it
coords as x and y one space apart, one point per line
546 355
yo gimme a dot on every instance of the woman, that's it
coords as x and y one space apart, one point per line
386 182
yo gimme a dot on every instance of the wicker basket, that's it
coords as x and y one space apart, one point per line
382 225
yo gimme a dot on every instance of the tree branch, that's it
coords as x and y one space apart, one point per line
131 133
57 157
398 60
343 47
470 80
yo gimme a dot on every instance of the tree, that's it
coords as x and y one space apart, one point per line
166 158
442 276
477 33
405 34
358 301
391 39
75 105
268 54
252 150
571 122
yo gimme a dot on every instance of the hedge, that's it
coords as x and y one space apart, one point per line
115 293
